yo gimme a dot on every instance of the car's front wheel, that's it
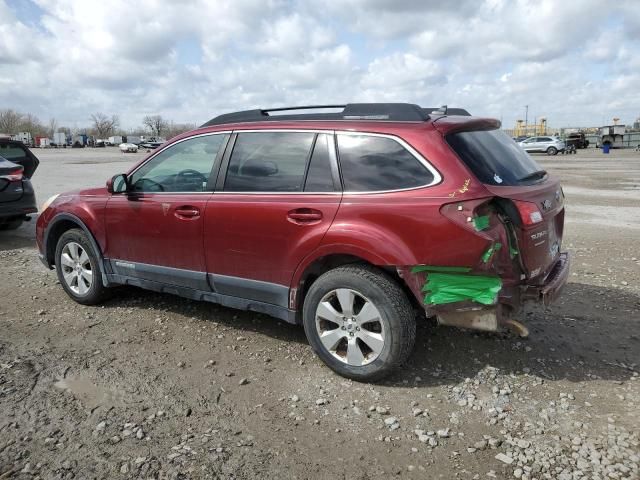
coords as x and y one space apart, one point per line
359 322
552 151
78 268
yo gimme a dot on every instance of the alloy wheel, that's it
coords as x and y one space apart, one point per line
76 268
350 327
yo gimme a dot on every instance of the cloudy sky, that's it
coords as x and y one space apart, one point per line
575 62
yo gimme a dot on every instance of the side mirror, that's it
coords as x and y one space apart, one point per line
117 183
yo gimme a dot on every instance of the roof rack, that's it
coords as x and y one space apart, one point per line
394 112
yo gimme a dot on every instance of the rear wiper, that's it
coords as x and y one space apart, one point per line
534 175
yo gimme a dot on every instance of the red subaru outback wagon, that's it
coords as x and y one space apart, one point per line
348 223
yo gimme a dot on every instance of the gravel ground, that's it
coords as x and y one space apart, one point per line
154 386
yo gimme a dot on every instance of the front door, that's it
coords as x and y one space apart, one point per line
276 196
531 144
155 230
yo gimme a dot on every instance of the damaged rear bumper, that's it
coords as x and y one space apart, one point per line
554 282
499 315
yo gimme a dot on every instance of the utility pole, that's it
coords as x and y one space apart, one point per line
526 119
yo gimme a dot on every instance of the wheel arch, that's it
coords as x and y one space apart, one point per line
57 226
323 261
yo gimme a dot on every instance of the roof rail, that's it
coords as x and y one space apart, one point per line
395 112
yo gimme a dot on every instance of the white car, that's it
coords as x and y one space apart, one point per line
128 147
545 144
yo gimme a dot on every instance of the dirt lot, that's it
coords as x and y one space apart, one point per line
154 386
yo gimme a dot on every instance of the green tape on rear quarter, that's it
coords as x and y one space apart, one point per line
442 288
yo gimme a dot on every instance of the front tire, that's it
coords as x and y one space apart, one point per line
78 268
552 151
11 224
359 322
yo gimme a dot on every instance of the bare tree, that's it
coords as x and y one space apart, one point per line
156 124
175 129
53 125
103 125
30 123
10 121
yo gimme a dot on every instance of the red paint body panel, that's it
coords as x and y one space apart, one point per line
88 205
148 229
250 236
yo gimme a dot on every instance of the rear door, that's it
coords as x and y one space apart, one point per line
545 143
276 196
531 199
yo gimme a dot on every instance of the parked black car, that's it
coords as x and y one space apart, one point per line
578 140
17 198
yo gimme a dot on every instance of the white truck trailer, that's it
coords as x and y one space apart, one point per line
24 137
114 140
60 139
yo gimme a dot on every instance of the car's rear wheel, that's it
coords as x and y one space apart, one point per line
552 151
11 223
359 322
78 268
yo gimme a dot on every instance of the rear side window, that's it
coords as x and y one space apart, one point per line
371 164
268 162
494 158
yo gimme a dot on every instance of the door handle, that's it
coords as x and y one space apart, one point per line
304 216
187 212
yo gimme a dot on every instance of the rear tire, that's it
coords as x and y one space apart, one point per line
359 322
552 151
79 269
11 224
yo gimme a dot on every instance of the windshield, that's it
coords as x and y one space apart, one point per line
494 158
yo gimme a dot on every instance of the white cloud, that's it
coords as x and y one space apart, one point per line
573 62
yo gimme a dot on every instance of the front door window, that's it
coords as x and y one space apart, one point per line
183 167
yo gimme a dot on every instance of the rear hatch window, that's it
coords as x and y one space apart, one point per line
18 154
495 159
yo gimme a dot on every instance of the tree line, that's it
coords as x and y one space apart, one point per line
100 125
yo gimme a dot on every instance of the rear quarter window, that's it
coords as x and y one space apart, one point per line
370 164
493 157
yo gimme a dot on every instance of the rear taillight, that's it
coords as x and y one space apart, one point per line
473 215
13 175
529 212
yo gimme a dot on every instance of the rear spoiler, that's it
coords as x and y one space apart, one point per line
454 124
